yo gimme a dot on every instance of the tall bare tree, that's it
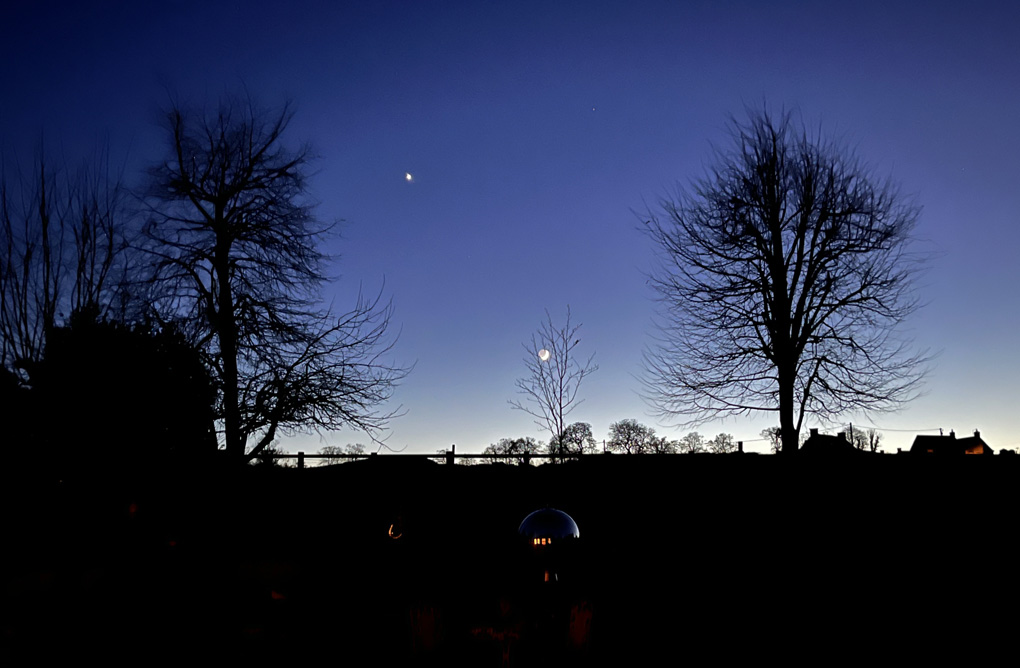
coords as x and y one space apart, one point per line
237 259
61 251
554 375
784 274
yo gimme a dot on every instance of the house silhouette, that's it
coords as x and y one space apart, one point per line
950 445
827 444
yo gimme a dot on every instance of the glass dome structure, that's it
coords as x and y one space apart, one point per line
548 525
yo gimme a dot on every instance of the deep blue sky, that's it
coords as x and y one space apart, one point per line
535 132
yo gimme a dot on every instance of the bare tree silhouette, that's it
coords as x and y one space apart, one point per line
339 454
867 439
783 276
577 439
874 439
236 254
722 444
61 251
633 438
554 375
774 436
513 450
691 443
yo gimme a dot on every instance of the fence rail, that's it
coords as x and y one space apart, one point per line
449 457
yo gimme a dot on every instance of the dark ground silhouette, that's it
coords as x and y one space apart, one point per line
680 558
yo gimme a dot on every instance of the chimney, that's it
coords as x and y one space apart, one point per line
952 434
842 436
977 434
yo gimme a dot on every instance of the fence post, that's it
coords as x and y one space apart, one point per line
300 459
449 453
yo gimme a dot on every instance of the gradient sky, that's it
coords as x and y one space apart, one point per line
534 134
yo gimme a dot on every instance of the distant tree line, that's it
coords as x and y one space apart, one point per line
625 437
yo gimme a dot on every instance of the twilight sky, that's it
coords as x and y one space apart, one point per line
534 134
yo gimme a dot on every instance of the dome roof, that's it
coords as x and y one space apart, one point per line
549 523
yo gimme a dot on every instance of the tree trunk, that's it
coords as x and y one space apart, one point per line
226 330
787 424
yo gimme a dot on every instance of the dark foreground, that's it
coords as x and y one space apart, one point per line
683 558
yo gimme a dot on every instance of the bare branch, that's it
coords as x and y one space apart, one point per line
513 450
